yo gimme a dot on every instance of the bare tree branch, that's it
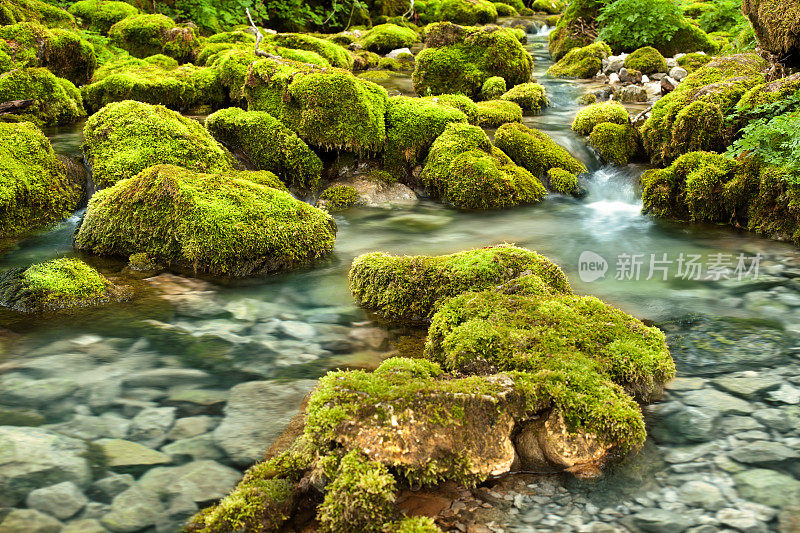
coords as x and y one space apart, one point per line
259 36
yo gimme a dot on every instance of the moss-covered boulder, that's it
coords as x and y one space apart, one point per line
56 285
13 11
158 80
56 101
338 198
581 62
495 113
336 55
266 144
493 88
384 38
147 35
412 125
459 60
615 143
407 288
63 52
590 116
327 108
529 96
467 12
230 223
646 60
535 150
124 138
777 26
563 182
575 27
694 61
692 117
687 39
465 171
100 15
34 186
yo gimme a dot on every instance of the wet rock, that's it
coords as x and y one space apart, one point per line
201 481
372 337
191 402
786 394
87 525
106 489
679 424
20 416
168 377
150 426
133 510
789 520
660 521
95 511
193 448
748 385
29 521
18 390
192 426
742 520
702 494
375 193
779 419
63 500
107 425
31 458
717 401
765 453
256 413
768 487
125 456
297 330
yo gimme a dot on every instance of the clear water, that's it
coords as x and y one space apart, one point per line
238 318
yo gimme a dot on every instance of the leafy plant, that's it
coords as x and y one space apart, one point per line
631 24
774 141
726 16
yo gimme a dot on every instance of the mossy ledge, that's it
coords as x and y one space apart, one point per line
497 387
231 223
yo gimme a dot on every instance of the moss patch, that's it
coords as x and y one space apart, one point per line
493 88
495 113
589 117
384 38
581 62
56 101
339 197
562 181
468 12
646 60
615 143
147 35
100 15
535 150
529 96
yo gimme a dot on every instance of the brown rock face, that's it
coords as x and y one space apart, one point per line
777 26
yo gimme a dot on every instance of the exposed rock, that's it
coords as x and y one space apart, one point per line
702 494
631 94
661 521
63 500
150 426
84 525
741 520
678 73
191 426
168 377
765 453
126 456
196 448
200 481
133 510
748 385
768 487
375 193
394 54
29 521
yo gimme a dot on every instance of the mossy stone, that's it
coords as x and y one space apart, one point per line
146 35
581 62
102 14
495 113
384 38
590 116
529 96
56 101
562 181
615 143
493 87
339 197
646 60
535 150
467 12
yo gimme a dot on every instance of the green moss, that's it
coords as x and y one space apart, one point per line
493 88
460 60
56 101
13 11
156 80
694 61
615 143
462 103
495 113
339 197
535 150
124 138
688 39
360 498
384 38
412 125
571 31
548 6
589 117
467 12
464 170
504 10
327 108
233 66
776 24
646 60
529 96
100 15
231 223
34 186
562 181
147 35
408 289
58 284
393 64
581 62
587 99
768 94
364 59
267 145
334 54
416 524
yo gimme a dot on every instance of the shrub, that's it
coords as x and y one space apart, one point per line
775 141
724 15
646 60
589 117
630 24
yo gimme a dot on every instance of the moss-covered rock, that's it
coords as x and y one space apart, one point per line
156 80
694 61
13 11
464 170
384 38
529 96
56 101
335 55
563 181
467 12
688 39
233 66
692 116
581 62
124 138
459 60
231 223
777 26
766 94
34 186
493 88
407 289
147 35
267 145
495 113
63 52
535 150
505 10
646 60
100 15
574 27
338 197
589 117
54 285
615 143
412 125
327 108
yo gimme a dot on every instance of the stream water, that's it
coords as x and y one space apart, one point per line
183 394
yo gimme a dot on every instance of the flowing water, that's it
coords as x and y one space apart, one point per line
212 374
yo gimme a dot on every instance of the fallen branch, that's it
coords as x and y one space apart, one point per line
14 106
259 36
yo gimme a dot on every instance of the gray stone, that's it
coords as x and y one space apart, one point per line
63 500
151 425
777 419
29 521
661 521
257 412
736 424
631 94
18 390
678 73
105 489
168 377
397 52
134 509
686 384
193 448
107 425
764 453
200 481
84 525
714 400
95 511
786 394
679 424
130 457
750 386
191 426
702 494
768 487
31 458
742 520
297 330
191 402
